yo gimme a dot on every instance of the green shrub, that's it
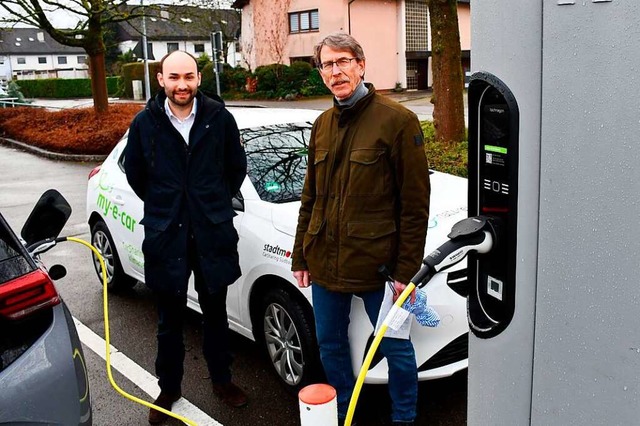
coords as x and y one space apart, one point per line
135 71
208 83
13 91
297 74
314 86
270 77
113 85
273 81
445 157
233 80
203 60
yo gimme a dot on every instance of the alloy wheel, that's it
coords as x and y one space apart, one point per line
283 344
102 244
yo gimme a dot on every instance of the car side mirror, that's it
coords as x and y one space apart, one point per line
47 218
57 271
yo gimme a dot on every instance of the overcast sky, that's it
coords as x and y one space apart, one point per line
65 19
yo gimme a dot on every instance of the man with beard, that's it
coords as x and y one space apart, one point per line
185 161
365 204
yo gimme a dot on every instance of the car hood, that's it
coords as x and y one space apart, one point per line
448 206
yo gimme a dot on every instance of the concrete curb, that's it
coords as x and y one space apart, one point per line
49 154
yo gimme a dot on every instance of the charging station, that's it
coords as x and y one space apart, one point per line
554 158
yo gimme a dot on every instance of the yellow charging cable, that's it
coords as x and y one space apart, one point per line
372 351
108 345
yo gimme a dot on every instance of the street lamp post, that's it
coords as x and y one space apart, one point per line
145 55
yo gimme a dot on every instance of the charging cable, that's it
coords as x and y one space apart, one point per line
372 351
106 337
474 234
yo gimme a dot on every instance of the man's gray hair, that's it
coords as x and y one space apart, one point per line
338 41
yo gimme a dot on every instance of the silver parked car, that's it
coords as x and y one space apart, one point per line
43 377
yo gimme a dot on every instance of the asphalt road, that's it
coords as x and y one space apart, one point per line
132 322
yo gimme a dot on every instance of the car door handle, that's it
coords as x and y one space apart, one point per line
118 200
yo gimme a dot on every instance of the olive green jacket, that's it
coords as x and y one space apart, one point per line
365 200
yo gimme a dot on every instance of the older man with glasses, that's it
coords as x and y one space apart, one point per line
365 204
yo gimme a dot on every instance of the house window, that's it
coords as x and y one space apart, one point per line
302 22
82 59
22 61
198 48
62 60
42 59
172 47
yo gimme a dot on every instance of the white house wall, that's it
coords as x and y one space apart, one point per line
5 68
32 68
160 48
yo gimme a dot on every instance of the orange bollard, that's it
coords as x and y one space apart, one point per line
318 405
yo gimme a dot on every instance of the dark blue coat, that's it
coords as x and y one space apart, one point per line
187 189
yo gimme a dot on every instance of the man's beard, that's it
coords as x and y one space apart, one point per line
181 102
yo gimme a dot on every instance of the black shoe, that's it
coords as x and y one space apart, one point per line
230 394
402 423
165 400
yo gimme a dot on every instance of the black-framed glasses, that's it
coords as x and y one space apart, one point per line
342 63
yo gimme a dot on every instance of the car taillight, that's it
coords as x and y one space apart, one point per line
29 293
93 172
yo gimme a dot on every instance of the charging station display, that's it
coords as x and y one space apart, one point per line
493 183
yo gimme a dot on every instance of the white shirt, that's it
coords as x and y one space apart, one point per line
182 126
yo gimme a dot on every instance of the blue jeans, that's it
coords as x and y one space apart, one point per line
332 310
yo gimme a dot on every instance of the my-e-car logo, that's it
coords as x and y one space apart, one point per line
276 253
110 209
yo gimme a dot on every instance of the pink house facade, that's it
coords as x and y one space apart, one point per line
394 34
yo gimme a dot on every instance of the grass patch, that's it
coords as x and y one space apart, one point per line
444 157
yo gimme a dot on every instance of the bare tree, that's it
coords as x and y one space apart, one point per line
272 42
247 49
93 15
219 17
448 81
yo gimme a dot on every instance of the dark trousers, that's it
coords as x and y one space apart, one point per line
215 346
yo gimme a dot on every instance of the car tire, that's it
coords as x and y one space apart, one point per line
101 239
288 336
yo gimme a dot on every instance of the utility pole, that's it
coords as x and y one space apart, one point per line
217 50
145 55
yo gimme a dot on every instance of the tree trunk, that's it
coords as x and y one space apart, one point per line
94 45
98 77
448 82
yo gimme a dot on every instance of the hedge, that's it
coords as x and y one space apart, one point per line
232 80
61 88
273 81
135 71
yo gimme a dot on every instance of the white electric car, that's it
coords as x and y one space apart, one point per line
265 304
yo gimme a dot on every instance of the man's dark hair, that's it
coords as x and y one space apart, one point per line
340 41
171 53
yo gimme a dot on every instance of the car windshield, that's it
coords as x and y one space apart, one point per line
277 160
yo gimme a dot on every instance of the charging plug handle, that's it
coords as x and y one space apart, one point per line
472 234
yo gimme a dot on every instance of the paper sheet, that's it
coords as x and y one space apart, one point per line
399 323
